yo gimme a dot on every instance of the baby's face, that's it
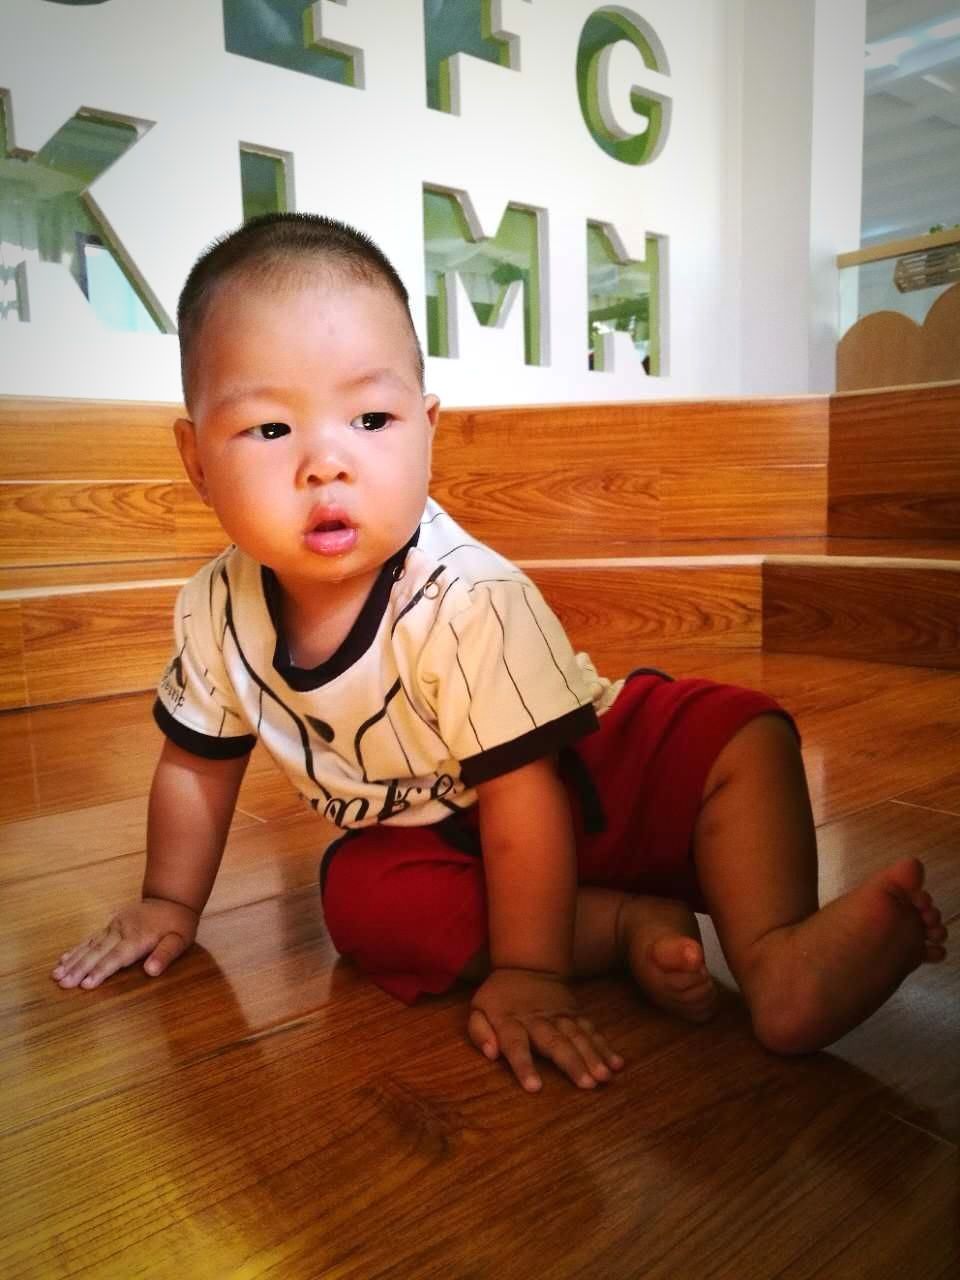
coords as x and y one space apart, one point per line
310 435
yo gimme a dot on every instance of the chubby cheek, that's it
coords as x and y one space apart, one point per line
240 508
413 477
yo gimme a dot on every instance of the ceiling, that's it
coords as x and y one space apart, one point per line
911 157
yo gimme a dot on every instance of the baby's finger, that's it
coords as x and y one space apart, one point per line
82 959
598 1045
118 956
164 953
482 1034
67 959
582 1041
557 1045
515 1046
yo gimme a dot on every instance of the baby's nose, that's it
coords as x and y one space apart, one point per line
325 459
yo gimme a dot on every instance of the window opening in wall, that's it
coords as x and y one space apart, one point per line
47 216
101 279
602 31
282 32
622 297
457 26
492 270
911 154
264 180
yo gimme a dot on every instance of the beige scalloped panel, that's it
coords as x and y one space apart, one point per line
887 349
942 338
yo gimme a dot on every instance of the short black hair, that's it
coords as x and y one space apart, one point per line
268 248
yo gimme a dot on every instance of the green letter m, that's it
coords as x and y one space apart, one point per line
491 269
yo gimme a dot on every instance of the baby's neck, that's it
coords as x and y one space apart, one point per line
317 621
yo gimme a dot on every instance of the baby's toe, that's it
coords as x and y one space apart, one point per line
677 954
699 1001
682 983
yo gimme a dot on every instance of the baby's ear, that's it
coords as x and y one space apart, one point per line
431 407
186 437
431 411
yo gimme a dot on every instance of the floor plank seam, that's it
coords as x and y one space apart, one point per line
68 870
937 1137
842 815
928 808
256 817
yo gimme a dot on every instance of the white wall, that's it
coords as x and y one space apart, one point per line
800 178
736 166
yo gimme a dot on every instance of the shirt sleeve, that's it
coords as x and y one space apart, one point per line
196 707
503 681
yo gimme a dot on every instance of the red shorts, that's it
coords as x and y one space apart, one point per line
408 904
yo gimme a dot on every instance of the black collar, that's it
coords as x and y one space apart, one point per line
358 640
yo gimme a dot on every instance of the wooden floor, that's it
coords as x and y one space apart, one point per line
263 1111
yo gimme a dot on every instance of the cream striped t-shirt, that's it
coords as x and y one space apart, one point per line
454 672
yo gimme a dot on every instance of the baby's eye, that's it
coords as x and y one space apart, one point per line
372 421
269 431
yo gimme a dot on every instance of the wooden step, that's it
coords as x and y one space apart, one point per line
880 610
74 643
61 644
95 639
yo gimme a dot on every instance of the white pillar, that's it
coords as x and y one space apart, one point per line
799 159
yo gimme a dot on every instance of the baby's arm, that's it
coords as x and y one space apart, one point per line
192 800
529 862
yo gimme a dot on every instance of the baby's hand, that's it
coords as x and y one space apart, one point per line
155 928
518 1010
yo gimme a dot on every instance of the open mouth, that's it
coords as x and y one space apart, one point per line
331 536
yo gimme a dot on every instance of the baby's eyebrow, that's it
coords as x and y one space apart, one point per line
262 392
368 376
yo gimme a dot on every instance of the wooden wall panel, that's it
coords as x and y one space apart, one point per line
198 531
901 425
559 509
790 431
918 499
900 614
44 438
13 683
88 645
87 440
86 575
62 523
625 614
894 465
742 502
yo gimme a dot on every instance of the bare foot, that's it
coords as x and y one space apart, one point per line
660 942
812 982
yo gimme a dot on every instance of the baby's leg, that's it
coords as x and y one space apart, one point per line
808 974
656 939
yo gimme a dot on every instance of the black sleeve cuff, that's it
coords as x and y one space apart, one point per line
200 744
539 742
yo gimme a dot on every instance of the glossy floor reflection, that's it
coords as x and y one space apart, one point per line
263 1111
